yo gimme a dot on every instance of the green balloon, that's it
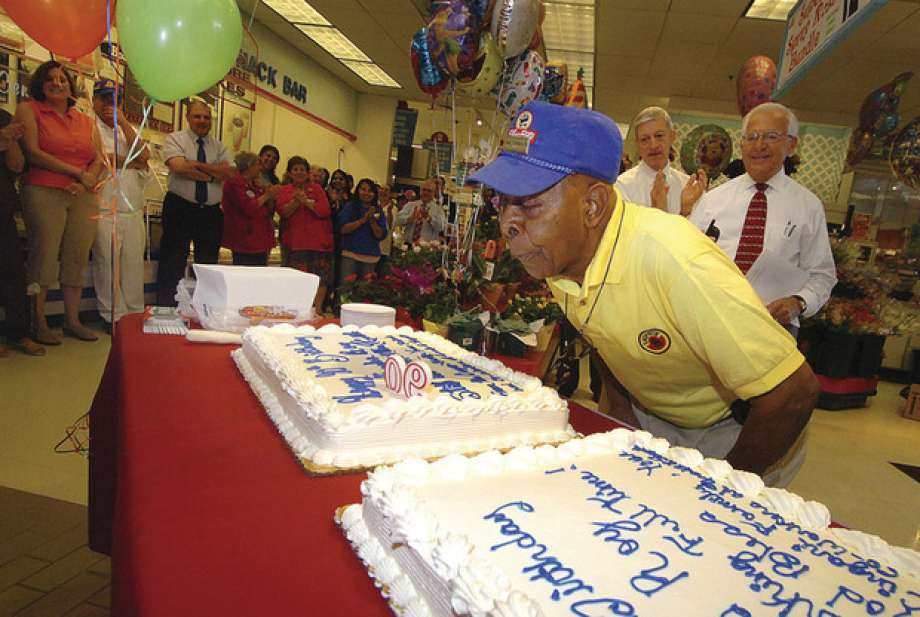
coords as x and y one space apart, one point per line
177 48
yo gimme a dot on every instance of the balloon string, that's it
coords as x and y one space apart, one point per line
252 14
113 245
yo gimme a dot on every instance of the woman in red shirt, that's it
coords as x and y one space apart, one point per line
59 202
306 225
248 211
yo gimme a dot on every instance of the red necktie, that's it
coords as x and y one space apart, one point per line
751 243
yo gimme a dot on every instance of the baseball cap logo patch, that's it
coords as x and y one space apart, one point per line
524 120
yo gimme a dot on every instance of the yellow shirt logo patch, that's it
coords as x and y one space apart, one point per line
654 341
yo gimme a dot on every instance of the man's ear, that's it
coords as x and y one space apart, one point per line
600 198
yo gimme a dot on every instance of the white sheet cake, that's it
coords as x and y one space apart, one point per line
616 523
324 389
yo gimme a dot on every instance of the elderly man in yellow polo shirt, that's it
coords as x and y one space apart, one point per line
677 325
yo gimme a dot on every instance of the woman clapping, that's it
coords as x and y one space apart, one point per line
363 225
306 225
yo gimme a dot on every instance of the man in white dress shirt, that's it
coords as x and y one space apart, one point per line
765 211
128 218
198 166
654 182
424 219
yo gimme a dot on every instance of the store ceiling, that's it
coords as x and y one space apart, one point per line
681 54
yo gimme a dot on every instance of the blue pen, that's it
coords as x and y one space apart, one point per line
791 231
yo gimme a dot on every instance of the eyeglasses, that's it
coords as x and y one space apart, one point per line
770 137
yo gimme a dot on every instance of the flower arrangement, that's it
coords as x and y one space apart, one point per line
441 304
532 308
861 302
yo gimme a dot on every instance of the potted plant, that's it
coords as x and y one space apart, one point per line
844 340
538 311
440 305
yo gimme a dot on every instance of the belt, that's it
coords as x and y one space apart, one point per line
193 203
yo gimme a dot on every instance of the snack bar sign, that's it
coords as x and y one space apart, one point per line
813 29
267 75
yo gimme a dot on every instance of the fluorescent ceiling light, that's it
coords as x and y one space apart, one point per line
371 73
569 26
336 43
298 12
568 33
770 9
321 31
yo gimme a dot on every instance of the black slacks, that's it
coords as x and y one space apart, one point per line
185 222
12 277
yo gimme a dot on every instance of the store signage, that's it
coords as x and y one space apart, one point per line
813 29
250 68
404 127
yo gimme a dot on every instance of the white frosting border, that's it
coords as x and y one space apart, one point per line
475 583
313 403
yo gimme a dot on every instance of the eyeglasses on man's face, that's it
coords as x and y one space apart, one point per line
770 137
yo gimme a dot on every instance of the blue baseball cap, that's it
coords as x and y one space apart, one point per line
105 86
548 142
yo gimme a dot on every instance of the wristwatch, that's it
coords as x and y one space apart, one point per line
803 306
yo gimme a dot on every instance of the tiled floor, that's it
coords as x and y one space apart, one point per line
46 569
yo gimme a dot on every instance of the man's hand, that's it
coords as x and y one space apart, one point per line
12 132
659 193
785 310
692 192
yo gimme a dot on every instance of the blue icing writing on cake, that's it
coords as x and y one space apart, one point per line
325 391
617 523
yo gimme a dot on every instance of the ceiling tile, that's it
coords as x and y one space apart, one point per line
752 37
404 7
628 33
697 28
614 67
723 8
646 5
686 61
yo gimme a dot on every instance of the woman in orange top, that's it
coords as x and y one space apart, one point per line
306 226
58 194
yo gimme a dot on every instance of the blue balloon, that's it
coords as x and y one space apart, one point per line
428 74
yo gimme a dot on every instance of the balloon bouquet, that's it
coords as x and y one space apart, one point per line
488 49
878 118
202 37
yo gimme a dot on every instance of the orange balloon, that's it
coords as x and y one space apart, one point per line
65 27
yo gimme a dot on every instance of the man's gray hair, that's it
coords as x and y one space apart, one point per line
791 121
652 113
245 160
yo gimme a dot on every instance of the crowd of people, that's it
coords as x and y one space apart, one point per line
328 225
56 166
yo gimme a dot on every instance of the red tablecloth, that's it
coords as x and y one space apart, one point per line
200 503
